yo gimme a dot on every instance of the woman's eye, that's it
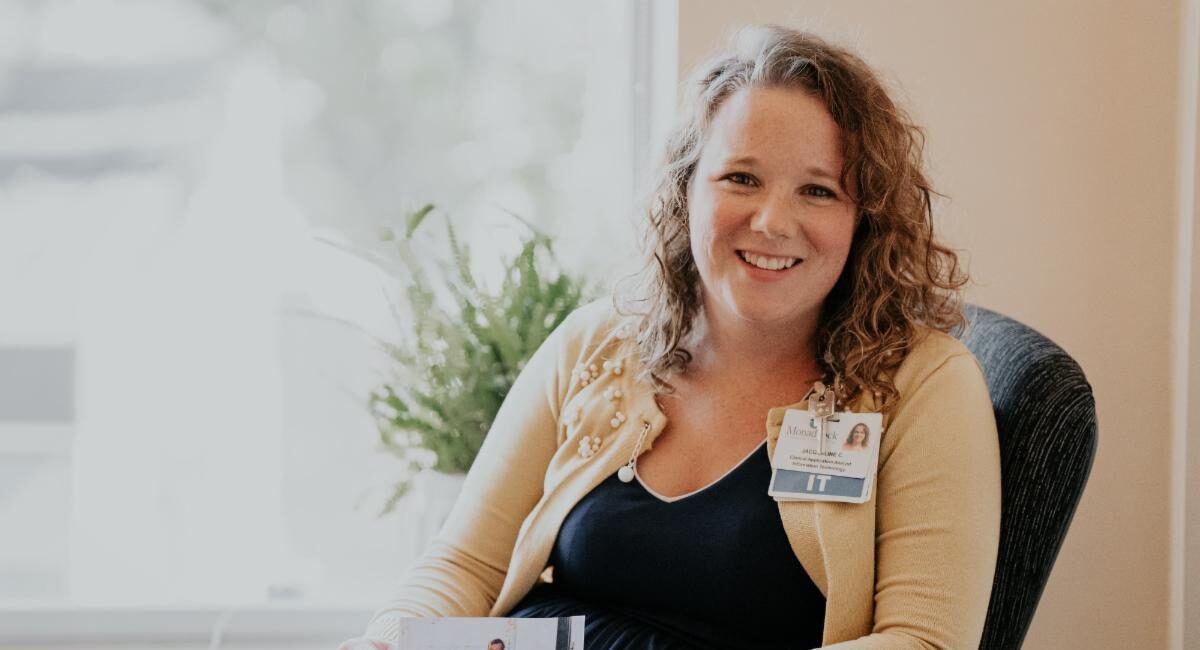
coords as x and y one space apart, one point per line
738 178
818 191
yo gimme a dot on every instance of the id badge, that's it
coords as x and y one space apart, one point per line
845 471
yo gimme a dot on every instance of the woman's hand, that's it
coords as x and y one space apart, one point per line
363 643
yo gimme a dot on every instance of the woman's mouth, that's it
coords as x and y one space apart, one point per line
766 262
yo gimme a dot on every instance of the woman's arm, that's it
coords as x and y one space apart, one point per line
462 571
938 517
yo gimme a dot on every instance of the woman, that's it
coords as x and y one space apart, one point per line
625 477
858 438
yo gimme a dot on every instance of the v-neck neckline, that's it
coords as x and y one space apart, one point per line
675 499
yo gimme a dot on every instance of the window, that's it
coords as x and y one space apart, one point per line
195 434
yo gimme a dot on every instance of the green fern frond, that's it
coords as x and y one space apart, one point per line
462 354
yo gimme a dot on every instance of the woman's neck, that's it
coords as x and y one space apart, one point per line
741 349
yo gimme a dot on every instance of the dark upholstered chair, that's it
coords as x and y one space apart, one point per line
1046 417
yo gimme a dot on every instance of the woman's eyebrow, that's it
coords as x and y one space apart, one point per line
823 173
741 160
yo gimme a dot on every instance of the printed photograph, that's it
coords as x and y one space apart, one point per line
564 633
858 439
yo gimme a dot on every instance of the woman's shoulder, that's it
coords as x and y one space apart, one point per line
591 319
932 351
592 328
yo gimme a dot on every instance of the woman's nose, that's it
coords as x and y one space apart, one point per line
776 218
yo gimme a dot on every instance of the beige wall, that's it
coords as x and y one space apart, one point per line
1052 129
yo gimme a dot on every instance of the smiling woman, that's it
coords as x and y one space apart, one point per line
792 266
849 149
770 224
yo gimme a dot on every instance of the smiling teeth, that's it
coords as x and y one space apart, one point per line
769 263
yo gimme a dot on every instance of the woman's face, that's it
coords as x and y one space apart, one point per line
770 223
858 434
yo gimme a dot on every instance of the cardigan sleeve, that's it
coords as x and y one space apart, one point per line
938 515
462 571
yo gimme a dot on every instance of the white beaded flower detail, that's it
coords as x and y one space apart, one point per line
616 367
589 445
586 374
612 393
617 420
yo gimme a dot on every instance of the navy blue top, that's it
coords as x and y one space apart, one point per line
711 569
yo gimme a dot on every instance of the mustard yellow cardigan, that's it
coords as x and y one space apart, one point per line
910 569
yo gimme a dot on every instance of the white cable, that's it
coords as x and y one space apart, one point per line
218 628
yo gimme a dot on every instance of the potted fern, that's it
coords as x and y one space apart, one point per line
464 347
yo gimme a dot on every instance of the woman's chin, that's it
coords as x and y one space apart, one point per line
760 311
768 315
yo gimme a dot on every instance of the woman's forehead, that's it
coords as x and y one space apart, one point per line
775 126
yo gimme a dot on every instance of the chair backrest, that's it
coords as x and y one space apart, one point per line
1046 417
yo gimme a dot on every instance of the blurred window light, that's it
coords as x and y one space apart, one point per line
167 168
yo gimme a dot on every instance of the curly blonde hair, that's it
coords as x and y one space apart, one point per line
897 278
